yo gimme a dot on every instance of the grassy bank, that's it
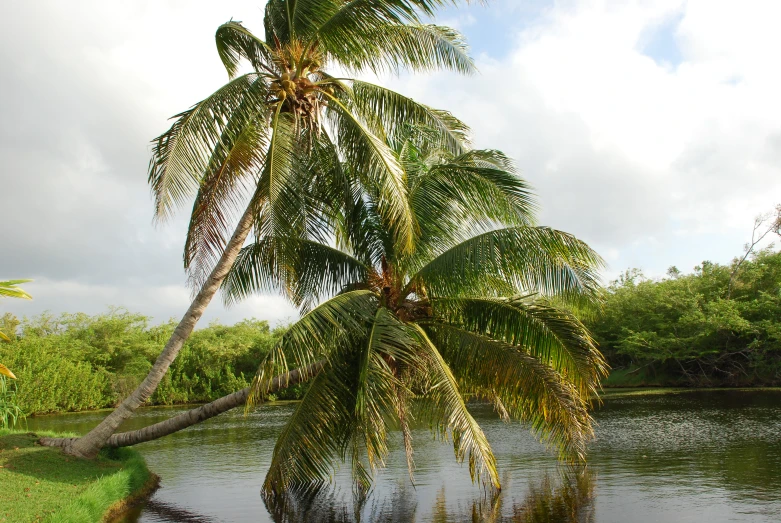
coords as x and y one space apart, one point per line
41 484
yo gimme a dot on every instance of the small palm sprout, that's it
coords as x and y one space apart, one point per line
482 306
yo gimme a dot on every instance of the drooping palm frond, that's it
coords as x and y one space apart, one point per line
552 335
534 259
304 270
235 42
316 434
372 158
389 108
529 389
444 405
379 391
224 193
10 289
182 155
481 182
326 329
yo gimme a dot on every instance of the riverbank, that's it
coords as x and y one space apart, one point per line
43 485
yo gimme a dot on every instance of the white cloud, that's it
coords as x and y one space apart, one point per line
636 157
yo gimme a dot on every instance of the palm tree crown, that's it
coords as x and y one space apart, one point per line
480 305
234 150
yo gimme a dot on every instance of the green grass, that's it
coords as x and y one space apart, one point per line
41 484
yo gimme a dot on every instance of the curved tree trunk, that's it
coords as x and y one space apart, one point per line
90 444
196 415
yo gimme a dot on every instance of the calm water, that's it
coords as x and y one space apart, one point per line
690 457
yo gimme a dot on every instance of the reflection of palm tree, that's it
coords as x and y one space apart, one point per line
570 501
473 307
10 289
566 499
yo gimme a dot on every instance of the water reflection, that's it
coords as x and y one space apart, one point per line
567 497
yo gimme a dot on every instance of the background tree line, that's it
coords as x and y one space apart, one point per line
718 326
680 330
78 362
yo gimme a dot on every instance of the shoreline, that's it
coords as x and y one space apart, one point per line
33 478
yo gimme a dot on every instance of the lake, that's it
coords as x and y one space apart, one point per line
695 456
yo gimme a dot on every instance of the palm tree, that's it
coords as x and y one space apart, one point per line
481 305
236 151
10 289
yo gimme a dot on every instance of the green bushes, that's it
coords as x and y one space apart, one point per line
79 362
690 330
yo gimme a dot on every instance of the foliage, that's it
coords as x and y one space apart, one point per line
10 411
689 330
477 306
10 289
33 478
77 362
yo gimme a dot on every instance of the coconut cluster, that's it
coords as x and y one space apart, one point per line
300 88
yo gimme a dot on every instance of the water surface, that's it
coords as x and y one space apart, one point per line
689 457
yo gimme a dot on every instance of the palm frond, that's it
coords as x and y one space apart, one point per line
304 270
529 390
235 42
181 156
554 336
445 406
371 157
395 113
9 289
222 197
379 392
397 47
316 434
326 329
533 259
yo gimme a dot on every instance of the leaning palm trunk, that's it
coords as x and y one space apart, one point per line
196 415
90 444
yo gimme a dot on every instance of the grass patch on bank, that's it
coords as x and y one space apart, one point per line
41 484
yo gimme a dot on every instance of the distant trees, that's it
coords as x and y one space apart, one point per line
716 326
78 362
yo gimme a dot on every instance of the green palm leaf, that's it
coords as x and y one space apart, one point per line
181 155
9 289
390 107
444 404
305 270
372 158
554 336
533 259
235 42
528 389
318 334
224 193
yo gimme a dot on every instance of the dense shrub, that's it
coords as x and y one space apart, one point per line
690 330
78 362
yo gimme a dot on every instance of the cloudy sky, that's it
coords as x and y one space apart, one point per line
651 129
